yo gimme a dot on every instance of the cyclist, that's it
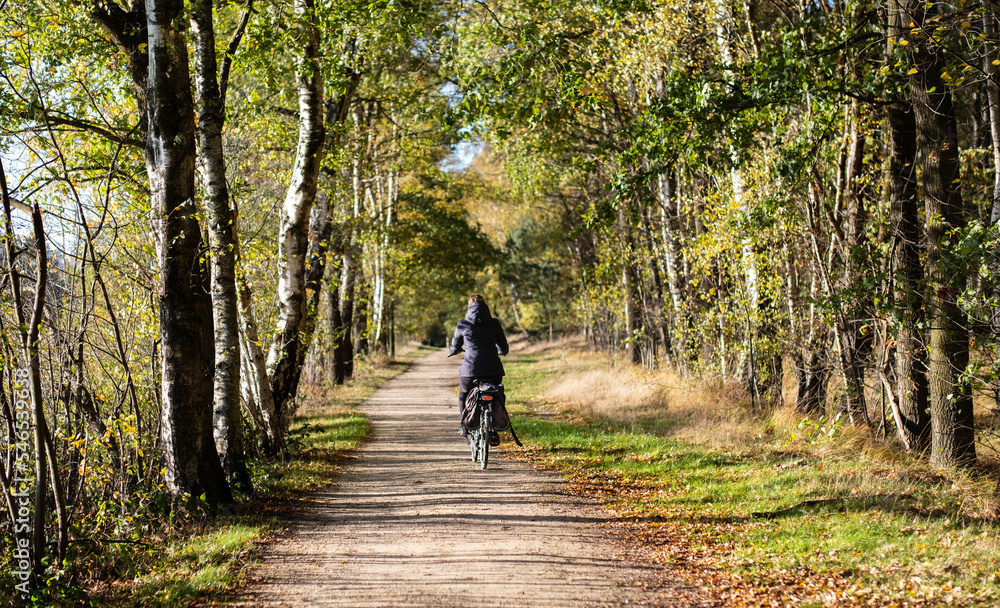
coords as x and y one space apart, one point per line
483 339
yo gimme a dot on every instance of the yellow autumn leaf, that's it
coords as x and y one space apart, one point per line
17 33
912 71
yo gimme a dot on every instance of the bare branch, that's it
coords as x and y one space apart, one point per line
234 44
83 125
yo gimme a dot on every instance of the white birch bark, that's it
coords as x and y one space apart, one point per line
284 355
671 242
186 438
992 69
257 389
724 20
227 420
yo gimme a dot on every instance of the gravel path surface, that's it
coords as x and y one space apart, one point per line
413 522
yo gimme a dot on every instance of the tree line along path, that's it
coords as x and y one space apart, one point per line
413 522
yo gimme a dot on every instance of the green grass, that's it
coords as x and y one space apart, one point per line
208 563
798 520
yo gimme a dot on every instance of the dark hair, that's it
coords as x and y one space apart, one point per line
476 298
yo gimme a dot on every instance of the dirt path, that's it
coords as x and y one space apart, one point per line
413 522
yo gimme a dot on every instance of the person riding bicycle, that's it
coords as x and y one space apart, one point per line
483 339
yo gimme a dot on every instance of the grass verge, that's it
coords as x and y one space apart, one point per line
769 509
200 560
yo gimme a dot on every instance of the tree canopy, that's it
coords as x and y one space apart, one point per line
204 199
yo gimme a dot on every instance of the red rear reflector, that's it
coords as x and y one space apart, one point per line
487 397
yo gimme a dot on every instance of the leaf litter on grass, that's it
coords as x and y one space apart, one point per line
826 519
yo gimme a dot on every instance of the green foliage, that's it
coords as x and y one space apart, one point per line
439 254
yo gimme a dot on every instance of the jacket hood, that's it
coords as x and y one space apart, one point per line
479 313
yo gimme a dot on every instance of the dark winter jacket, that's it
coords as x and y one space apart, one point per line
481 336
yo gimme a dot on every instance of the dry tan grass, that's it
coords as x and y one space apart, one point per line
717 414
522 345
709 412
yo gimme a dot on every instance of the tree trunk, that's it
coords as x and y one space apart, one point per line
284 356
913 423
392 328
361 312
658 314
812 373
257 389
382 252
128 31
187 441
633 321
913 420
8 466
35 389
630 291
515 299
29 332
853 344
812 377
344 346
952 432
228 420
334 326
320 228
321 232
676 281
992 69
58 489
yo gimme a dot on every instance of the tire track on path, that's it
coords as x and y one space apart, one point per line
412 522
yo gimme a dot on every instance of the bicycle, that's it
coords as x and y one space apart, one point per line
481 438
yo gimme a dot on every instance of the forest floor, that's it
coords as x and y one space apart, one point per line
411 521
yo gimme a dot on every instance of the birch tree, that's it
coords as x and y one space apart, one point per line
187 441
283 359
211 105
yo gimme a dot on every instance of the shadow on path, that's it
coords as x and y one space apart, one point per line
413 522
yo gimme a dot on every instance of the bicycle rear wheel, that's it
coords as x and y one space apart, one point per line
475 435
485 432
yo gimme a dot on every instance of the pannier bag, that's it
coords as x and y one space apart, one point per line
494 395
